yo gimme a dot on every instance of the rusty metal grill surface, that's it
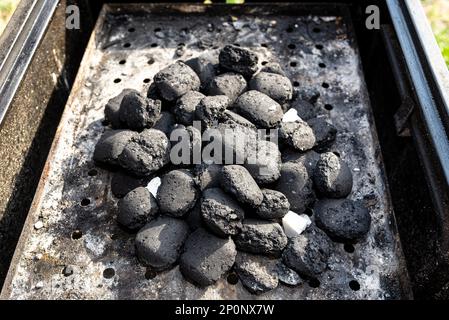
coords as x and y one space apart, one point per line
317 52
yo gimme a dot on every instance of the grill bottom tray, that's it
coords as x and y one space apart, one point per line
146 37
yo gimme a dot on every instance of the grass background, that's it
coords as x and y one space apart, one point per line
437 12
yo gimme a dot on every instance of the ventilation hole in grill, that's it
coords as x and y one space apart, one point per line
85 202
354 285
117 80
293 64
150 61
337 153
319 46
264 62
126 45
131 29
314 283
237 44
157 29
316 30
309 212
77 234
150 274
146 80
289 29
328 107
325 85
154 45
322 65
108 273
264 45
232 278
92 172
349 248
122 62
291 46
295 83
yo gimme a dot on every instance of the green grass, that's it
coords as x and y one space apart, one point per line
438 13
7 8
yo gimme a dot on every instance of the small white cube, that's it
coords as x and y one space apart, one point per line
291 116
153 186
295 224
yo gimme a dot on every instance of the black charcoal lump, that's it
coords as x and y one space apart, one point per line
229 84
332 176
207 175
137 208
237 181
146 153
112 108
220 213
264 162
165 122
111 144
297 135
259 108
275 205
205 67
159 243
211 109
138 112
176 80
122 183
257 273
296 185
186 106
276 86
325 133
240 60
343 220
177 193
261 237
206 257
308 253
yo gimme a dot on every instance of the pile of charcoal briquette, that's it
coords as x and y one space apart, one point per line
252 219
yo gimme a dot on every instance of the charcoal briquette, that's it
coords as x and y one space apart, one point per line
111 145
257 273
308 253
186 106
277 87
137 208
297 135
343 220
296 185
206 257
261 237
176 80
177 193
275 205
240 60
332 176
159 243
220 213
260 109
112 108
138 112
146 153
229 84
237 181
325 133
210 109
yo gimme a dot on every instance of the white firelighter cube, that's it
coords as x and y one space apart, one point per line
295 224
291 116
153 186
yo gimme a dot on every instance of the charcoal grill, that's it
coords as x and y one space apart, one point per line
72 217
